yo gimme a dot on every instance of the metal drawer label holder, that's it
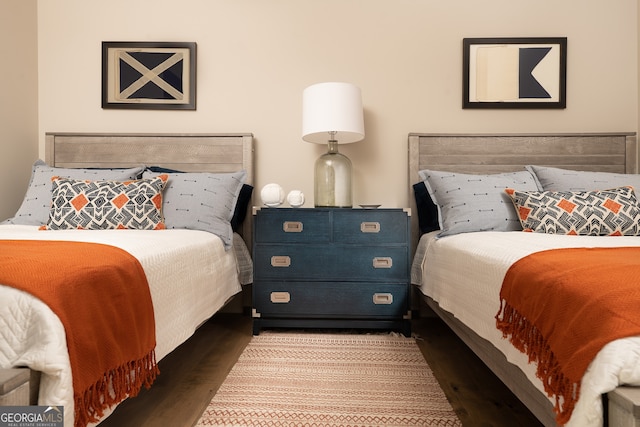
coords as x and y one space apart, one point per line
383 298
382 262
370 227
280 261
292 226
280 297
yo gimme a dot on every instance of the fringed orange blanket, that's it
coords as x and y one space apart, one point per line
561 306
101 295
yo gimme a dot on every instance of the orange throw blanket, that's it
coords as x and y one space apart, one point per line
561 306
101 295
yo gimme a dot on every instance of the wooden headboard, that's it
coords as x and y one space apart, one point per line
495 153
216 153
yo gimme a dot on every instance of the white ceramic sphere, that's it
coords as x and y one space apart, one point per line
272 195
295 198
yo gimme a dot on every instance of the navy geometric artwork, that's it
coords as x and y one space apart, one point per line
529 58
149 75
151 90
516 72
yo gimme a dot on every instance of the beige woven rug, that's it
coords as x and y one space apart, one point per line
317 379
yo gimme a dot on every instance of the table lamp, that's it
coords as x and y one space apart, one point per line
332 114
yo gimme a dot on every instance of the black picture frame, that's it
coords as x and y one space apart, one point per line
521 72
149 75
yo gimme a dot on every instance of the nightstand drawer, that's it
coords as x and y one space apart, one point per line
331 299
370 226
384 263
292 225
292 261
338 262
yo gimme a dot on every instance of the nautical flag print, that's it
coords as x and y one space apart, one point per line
150 75
511 73
514 72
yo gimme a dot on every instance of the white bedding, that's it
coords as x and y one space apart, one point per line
190 276
464 274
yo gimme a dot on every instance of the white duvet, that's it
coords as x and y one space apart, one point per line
190 276
464 274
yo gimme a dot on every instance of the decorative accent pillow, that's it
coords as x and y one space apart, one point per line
242 205
468 203
556 179
589 213
37 200
106 205
427 210
202 201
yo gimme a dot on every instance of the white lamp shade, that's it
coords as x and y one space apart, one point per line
332 107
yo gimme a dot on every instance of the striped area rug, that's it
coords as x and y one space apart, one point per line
318 379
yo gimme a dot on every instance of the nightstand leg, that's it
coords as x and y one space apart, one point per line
406 329
256 326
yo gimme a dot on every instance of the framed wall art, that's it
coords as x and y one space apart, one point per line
149 75
514 72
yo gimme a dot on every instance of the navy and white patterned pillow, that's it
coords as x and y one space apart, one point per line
468 203
557 179
106 205
612 212
202 201
34 209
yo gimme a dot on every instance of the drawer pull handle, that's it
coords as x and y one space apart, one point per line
383 298
370 227
382 262
280 261
292 227
280 297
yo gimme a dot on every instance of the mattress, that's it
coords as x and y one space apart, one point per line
190 276
463 273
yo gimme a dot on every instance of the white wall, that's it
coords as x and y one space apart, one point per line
256 56
19 100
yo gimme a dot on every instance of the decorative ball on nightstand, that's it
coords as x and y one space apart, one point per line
272 195
295 198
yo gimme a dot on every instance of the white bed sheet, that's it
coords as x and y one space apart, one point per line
464 274
190 276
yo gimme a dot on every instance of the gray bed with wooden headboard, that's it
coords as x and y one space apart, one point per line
214 153
495 153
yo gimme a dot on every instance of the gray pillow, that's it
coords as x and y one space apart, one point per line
556 179
469 203
201 201
37 200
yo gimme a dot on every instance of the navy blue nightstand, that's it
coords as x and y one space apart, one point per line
331 268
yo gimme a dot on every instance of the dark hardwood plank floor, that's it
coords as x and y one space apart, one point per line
475 393
191 375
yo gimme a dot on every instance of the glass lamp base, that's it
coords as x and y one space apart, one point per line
333 180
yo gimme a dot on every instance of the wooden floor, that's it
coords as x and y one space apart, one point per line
191 375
